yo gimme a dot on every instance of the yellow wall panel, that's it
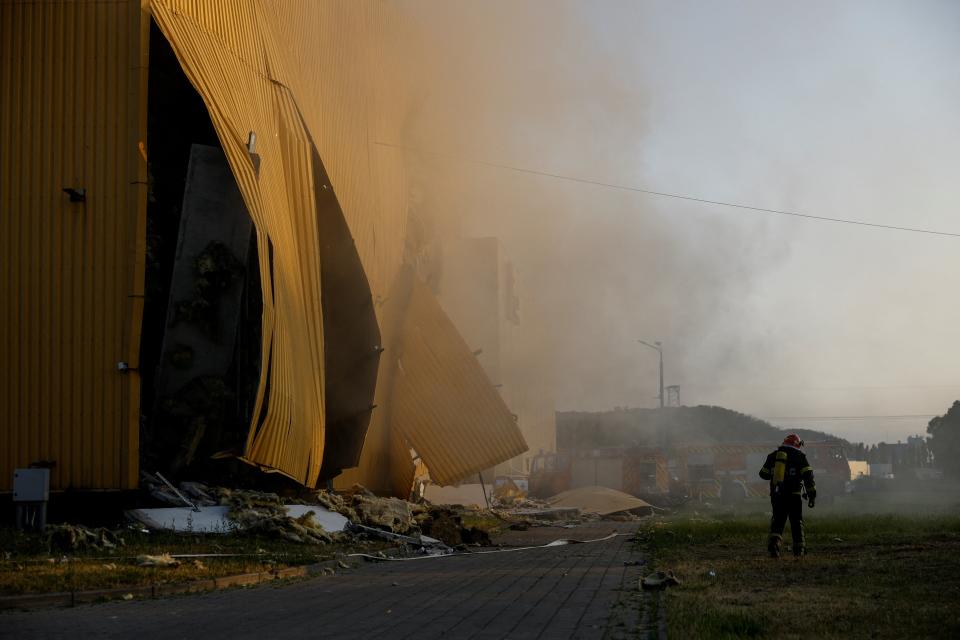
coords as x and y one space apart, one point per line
72 112
352 97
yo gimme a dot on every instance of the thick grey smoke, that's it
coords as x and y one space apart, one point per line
848 111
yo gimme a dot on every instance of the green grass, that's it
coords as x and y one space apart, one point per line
28 566
876 576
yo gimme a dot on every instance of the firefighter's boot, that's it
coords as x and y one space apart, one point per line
773 545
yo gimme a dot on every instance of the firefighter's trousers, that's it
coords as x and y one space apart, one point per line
786 506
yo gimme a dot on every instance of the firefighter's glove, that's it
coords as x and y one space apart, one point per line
811 502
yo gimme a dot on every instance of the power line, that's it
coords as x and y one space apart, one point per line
664 194
814 388
913 415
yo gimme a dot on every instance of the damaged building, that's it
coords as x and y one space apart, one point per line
211 265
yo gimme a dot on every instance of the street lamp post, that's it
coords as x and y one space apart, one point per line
659 348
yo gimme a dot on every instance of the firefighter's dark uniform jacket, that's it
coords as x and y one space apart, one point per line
789 472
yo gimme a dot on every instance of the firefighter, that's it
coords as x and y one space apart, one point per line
789 473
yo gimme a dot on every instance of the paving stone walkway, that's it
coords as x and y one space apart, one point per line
573 591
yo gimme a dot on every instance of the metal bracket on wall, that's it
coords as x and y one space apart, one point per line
76 195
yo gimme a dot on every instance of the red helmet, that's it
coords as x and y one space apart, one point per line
793 440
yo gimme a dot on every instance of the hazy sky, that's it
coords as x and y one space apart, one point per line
840 109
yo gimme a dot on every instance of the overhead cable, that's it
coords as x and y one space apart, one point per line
908 416
665 194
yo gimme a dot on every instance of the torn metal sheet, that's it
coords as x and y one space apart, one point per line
240 87
339 234
215 520
443 403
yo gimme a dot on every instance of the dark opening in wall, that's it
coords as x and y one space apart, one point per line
190 415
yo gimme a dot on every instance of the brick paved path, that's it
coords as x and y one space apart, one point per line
558 592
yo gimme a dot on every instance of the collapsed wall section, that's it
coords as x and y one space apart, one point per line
286 74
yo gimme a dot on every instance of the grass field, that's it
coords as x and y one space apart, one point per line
28 566
865 576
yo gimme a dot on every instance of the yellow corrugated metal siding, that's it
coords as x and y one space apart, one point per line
434 397
344 73
72 112
262 67
229 57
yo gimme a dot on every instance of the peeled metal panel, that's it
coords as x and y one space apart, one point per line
342 68
260 67
227 59
72 113
442 402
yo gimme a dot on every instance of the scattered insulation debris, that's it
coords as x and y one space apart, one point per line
73 537
359 512
265 513
162 560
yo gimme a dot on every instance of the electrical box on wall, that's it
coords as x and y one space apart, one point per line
31 485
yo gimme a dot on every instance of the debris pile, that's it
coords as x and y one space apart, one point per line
202 509
507 495
454 525
73 537
162 560
265 513
659 580
358 511
446 524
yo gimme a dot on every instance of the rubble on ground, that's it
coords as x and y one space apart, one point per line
265 513
659 580
403 522
247 511
446 524
361 506
162 560
200 494
507 494
73 537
